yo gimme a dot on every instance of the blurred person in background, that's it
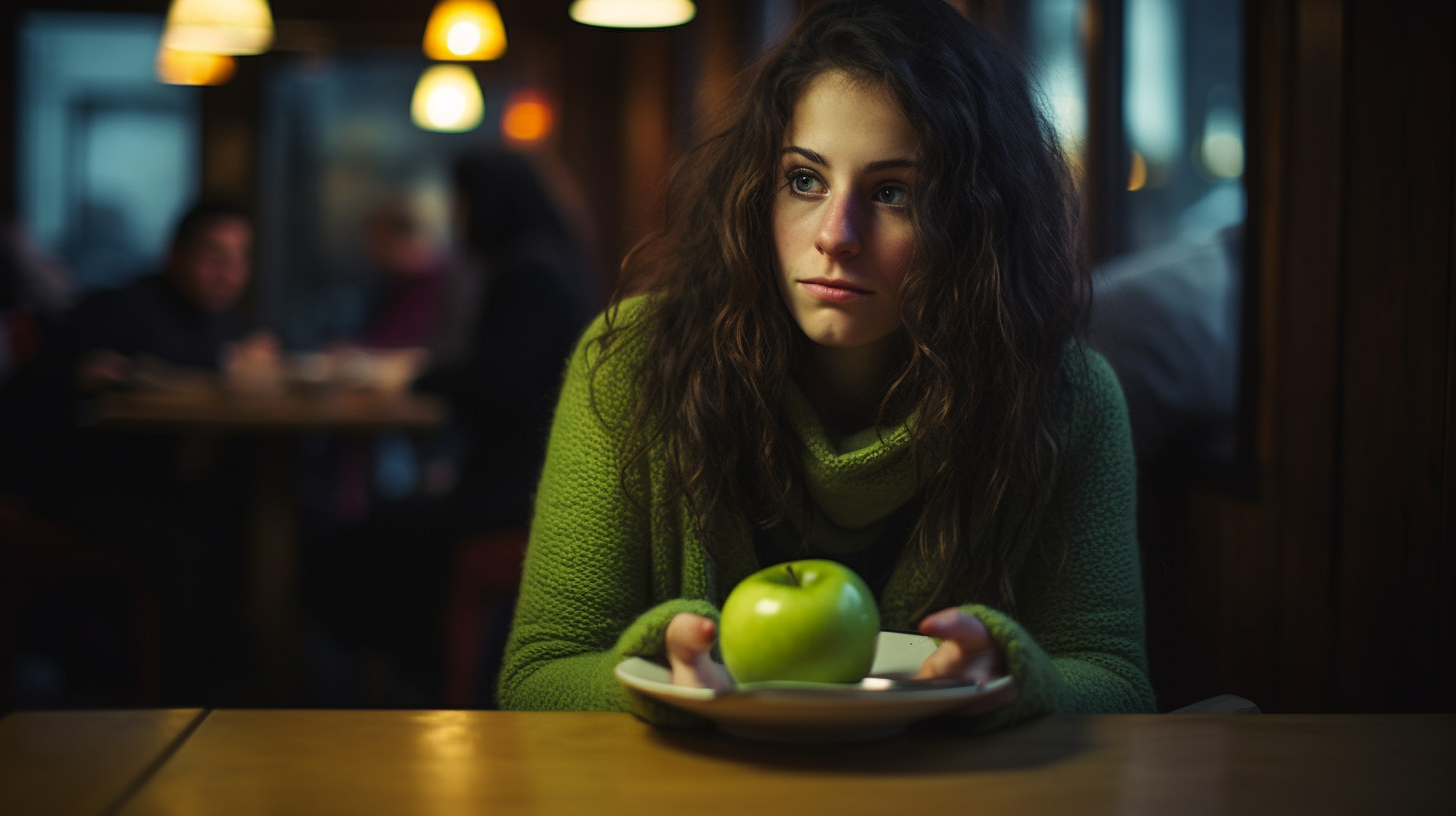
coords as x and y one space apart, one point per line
172 506
411 273
380 584
1167 318
408 297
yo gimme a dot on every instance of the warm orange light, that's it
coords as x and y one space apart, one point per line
527 117
1138 177
465 30
192 68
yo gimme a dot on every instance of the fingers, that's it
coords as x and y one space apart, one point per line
965 651
689 636
689 641
953 624
101 369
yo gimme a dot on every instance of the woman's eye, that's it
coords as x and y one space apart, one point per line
893 195
802 182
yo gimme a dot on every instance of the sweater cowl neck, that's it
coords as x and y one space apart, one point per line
857 480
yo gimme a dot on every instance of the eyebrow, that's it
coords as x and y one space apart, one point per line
872 167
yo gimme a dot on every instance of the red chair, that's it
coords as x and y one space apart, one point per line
35 551
485 574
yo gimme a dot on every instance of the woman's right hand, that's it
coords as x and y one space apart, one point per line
690 641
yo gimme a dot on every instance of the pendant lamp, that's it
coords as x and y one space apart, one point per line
447 99
219 26
632 13
465 30
192 68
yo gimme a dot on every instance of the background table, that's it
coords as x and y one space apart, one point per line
277 419
213 407
452 762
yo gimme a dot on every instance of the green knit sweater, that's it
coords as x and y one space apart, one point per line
604 573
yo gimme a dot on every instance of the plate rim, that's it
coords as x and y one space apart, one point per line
799 696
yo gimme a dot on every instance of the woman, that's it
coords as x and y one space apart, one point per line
858 343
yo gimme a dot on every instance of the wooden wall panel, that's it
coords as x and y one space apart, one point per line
1331 589
1398 247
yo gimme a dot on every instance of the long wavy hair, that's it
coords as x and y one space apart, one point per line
992 294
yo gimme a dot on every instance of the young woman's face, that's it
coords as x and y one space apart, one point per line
841 217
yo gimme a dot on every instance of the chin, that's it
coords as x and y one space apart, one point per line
841 337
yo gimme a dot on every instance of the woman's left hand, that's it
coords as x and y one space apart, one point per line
966 652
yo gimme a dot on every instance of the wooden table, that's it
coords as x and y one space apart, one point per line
72 763
359 763
212 408
276 419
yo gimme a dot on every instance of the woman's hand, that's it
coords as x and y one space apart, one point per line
965 652
101 369
689 641
261 348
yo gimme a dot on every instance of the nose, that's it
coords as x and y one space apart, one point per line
839 229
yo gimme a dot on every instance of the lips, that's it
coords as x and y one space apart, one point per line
833 290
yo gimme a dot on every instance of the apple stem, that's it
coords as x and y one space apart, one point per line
789 568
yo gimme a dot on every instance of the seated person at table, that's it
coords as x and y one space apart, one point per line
537 294
173 505
859 342
408 311
412 274
185 317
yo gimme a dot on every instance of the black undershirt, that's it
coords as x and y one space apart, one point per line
874 563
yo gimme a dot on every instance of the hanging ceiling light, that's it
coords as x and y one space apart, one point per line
192 68
447 99
632 13
219 26
465 30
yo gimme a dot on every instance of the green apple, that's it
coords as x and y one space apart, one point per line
811 620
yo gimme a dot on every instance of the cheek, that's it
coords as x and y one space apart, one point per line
792 234
224 278
895 251
781 242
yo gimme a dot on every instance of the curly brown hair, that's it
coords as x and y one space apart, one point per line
993 293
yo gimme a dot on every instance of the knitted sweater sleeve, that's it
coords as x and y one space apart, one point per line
1078 644
587 598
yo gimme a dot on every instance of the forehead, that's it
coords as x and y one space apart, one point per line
838 108
220 230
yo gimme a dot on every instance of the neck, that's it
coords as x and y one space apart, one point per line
847 385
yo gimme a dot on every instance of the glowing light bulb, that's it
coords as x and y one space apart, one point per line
465 30
191 68
219 26
447 99
464 37
632 13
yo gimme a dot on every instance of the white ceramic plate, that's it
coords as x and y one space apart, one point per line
815 712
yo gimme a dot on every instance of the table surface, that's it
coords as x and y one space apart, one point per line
359 763
65 763
213 407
